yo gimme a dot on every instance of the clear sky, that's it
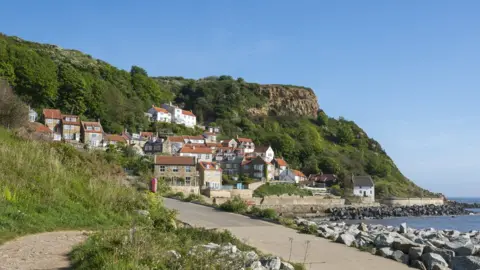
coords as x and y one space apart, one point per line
406 71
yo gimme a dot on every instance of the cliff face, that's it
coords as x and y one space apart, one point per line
286 100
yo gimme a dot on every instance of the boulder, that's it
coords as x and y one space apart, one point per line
466 263
434 261
250 256
229 248
256 265
437 243
211 246
403 228
286 266
400 257
383 240
362 227
415 253
346 238
445 253
272 263
462 246
418 265
385 252
403 244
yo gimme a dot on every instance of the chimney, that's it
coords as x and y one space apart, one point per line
193 147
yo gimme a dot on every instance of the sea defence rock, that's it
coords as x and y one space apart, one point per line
421 249
354 213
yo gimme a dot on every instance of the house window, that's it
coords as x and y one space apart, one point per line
258 167
89 128
207 156
188 181
162 168
49 121
174 168
94 135
158 147
97 129
73 119
188 169
148 148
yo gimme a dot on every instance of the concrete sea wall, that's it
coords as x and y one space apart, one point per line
412 201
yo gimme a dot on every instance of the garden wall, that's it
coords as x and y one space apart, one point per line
412 201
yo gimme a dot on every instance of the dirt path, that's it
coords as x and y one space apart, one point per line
40 251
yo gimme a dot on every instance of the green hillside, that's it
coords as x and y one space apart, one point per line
282 116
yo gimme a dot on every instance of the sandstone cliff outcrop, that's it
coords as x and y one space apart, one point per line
287 101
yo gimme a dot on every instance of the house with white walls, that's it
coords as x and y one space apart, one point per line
159 115
180 116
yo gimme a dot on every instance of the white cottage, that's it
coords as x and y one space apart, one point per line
179 116
159 114
363 186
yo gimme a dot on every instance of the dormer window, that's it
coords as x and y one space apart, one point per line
89 128
97 129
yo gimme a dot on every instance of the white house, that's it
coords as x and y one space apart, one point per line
265 152
246 144
201 153
180 116
32 115
363 186
160 114
293 176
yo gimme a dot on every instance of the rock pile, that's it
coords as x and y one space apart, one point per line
233 258
427 249
381 212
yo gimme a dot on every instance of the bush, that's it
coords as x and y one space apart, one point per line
235 205
194 198
280 189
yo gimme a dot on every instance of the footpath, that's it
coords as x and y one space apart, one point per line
316 252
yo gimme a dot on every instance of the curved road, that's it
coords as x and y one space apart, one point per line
275 239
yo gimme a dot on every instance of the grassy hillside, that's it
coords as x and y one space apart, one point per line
49 76
46 187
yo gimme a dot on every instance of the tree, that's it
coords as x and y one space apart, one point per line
310 165
13 112
7 73
329 165
345 134
322 118
378 166
72 90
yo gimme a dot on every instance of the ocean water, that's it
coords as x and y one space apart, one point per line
460 223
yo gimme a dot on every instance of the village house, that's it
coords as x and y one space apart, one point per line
92 133
280 166
41 132
210 175
322 180
173 144
210 137
70 125
32 115
200 152
159 115
177 171
363 186
225 153
246 145
293 176
258 168
180 116
113 139
232 165
265 152
153 147
230 143
52 119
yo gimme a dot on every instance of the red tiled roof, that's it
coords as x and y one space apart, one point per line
281 162
261 149
195 149
209 166
52 114
174 160
247 140
322 177
188 113
42 129
298 173
160 110
114 138
146 134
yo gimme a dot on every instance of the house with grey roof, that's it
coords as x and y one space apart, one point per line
363 186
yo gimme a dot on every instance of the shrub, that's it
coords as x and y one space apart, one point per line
235 205
280 189
194 198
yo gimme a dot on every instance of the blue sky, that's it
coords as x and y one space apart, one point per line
406 71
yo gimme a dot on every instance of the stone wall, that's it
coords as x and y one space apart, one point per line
412 201
242 193
186 189
216 193
255 185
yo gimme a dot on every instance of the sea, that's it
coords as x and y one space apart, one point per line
460 223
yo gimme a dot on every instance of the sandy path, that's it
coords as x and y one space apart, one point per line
40 251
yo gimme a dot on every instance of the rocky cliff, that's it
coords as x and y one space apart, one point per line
286 100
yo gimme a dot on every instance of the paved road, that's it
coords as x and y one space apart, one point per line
274 239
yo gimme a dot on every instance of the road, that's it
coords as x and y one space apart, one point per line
275 239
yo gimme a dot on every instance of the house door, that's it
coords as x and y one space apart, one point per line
365 194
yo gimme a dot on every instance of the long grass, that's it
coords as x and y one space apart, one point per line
48 186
